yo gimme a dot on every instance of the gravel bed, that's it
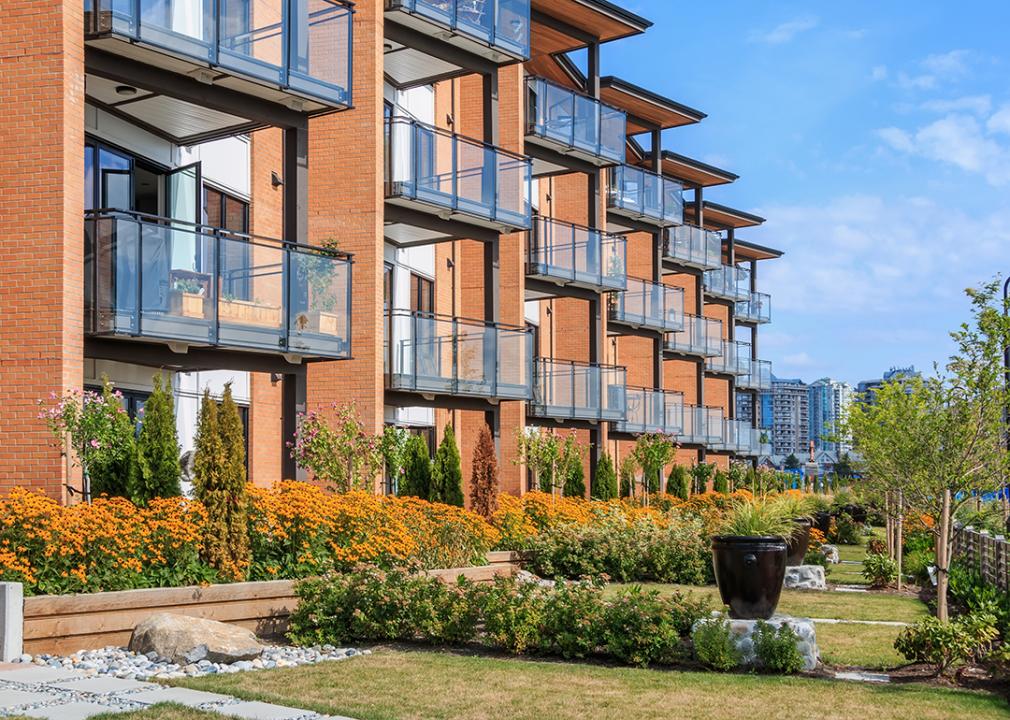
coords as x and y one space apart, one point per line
121 663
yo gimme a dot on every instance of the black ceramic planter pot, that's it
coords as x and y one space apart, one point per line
822 521
749 572
799 541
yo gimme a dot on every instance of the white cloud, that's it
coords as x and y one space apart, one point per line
916 82
878 73
784 32
977 104
948 64
959 140
1000 121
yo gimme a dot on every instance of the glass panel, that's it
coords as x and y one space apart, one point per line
613 132
513 26
615 262
475 168
319 314
185 26
512 186
252 37
586 128
558 113
476 17
320 44
440 10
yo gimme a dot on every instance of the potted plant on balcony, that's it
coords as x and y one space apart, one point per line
248 312
186 298
749 557
316 271
799 507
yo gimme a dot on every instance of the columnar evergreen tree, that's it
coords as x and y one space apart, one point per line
484 475
416 480
720 483
447 472
678 483
157 452
219 483
112 475
573 477
605 487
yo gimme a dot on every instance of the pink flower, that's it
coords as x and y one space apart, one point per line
95 444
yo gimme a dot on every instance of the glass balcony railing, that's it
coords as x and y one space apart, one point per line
728 282
648 305
303 46
446 355
702 425
570 254
573 123
501 25
756 309
444 171
652 411
736 437
568 390
699 336
148 277
645 196
694 246
733 359
759 376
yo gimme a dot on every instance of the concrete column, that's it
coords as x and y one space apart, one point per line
12 617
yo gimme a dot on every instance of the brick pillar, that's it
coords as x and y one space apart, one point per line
346 201
41 230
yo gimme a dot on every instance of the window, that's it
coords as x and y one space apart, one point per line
387 287
226 212
422 294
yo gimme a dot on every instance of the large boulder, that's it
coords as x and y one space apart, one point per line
184 640
805 577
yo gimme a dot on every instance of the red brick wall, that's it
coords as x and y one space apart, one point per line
41 229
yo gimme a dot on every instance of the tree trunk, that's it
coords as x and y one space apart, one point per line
943 558
888 522
899 540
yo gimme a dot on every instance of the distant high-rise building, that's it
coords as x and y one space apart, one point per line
790 416
866 391
828 401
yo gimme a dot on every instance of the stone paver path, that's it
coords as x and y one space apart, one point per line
57 694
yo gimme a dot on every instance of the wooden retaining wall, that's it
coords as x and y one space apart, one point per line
61 624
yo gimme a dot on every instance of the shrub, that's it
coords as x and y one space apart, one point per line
571 621
700 475
416 469
945 644
916 565
113 474
714 647
605 487
393 447
446 472
678 483
513 613
341 455
876 546
776 649
880 570
720 483
643 628
844 530
157 448
446 614
652 452
484 476
627 473
816 557
974 595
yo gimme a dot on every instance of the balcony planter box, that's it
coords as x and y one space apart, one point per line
798 542
186 304
318 322
246 312
749 572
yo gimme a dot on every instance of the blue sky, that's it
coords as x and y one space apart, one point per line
875 137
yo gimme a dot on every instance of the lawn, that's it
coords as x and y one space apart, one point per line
409 685
158 712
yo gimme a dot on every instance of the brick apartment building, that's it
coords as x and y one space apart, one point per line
513 244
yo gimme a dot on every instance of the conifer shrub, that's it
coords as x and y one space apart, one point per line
678 483
157 448
447 472
484 476
416 480
605 487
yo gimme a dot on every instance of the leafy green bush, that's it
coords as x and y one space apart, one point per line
678 483
641 628
605 487
714 647
880 570
445 614
916 565
513 613
776 649
844 530
675 552
816 557
571 620
945 644
720 483
972 594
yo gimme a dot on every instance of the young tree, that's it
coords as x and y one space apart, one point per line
792 462
416 480
157 448
605 487
112 474
447 473
233 483
341 454
678 483
393 447
700 475
938 442
653 451
484 475
540 452
573 477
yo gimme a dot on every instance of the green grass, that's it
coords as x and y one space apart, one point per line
864 646
411 685
156 712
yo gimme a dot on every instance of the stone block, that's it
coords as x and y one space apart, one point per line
831 553
742 632
805 577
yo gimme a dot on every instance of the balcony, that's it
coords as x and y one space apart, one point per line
728 282
273 49
567 390
756 309
441 355
694 247
567 254
702 425
652 411
737 436
700 336
759 377
648 306
645 196
456 178
149 278
574 124
498 30
733 359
